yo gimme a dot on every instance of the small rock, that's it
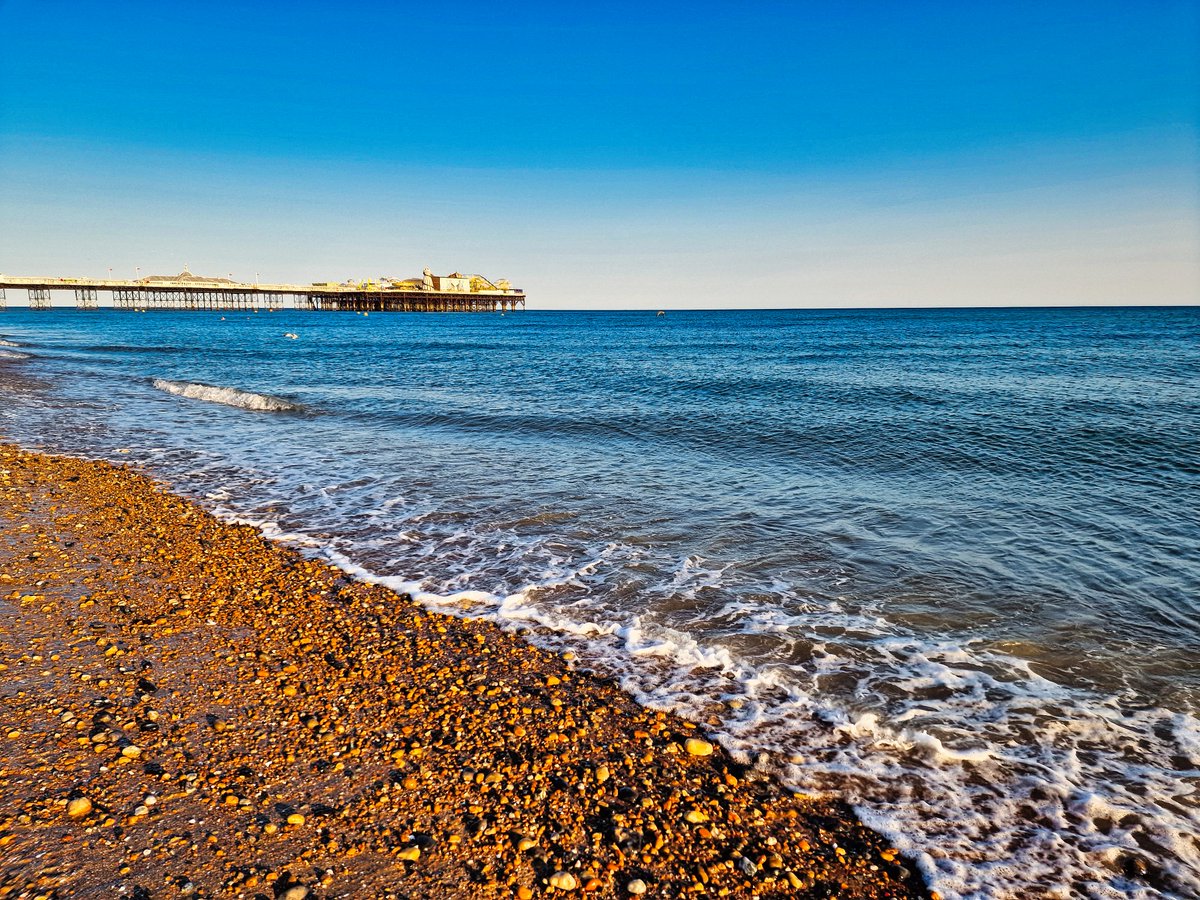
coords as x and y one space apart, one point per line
695 816
564 881
79 807
295 819
637 887
746 864
697 747
526 844
295 892
601 774
131 751
411 854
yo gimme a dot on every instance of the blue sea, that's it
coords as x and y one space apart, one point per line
942 563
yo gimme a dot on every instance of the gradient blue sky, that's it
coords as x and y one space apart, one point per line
633 155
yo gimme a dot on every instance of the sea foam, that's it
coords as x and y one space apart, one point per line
225 395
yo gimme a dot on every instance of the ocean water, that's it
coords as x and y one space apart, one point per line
943 563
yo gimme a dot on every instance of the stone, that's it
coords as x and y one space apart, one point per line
295 819
697 747
79 807
563 881
410 854
637 887
131 751
295 892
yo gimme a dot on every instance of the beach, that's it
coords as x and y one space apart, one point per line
191 709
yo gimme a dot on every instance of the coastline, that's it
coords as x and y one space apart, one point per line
243 721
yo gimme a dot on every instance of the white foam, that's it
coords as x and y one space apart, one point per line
999 790
12 354
993 781
4 343
225 395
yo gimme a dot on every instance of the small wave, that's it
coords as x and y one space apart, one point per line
4 343
226 395
12 354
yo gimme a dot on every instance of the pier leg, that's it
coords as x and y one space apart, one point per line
85 298
39 298
3 299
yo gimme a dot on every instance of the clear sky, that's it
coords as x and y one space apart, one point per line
631 155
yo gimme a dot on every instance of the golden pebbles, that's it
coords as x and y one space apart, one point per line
190 710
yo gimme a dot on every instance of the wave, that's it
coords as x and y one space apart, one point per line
4 343
1020 786
992 780
12 354
226 395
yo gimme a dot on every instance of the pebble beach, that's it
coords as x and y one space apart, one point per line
189 709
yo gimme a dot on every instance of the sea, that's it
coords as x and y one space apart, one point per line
944 564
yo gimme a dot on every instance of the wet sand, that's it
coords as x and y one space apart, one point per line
189 709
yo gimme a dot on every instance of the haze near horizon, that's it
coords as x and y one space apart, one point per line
637 156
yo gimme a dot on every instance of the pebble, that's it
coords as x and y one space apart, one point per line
697 747
79 807
411 854
295 819
295 892
637 887
563 881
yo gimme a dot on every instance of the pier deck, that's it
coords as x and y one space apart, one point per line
228 296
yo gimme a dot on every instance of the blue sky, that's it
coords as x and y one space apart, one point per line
697 154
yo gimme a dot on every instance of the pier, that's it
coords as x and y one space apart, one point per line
429 293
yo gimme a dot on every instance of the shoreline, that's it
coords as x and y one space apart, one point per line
191 707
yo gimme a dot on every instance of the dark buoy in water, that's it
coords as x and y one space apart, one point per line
661 312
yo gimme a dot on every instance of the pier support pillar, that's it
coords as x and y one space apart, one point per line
85 298
39 298
3 299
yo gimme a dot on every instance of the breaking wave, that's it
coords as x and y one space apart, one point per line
226 395
11 354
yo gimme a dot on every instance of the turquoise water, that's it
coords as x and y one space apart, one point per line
946 563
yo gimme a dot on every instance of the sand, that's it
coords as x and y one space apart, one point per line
189 709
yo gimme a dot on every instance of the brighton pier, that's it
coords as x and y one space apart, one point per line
185 291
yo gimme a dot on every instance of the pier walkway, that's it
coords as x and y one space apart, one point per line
190 292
